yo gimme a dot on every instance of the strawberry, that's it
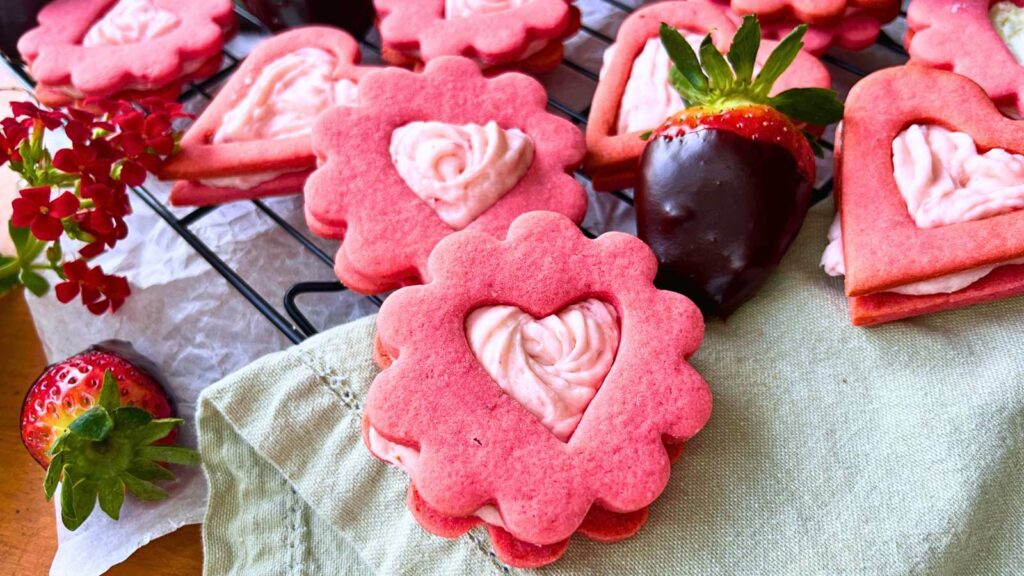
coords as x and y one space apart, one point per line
726 183
99 424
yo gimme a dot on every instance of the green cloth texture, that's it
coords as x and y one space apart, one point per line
831 449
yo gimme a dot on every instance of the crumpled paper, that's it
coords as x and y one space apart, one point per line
186 318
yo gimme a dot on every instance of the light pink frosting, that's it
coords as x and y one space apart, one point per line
129 22
464 8
552 366
649 98
460 170
834 264
945 180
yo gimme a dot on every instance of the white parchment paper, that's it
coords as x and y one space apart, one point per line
186 318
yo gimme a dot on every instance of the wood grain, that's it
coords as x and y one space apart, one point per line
27 531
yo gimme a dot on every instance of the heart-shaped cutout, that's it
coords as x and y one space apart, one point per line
460 170
552 366
884 247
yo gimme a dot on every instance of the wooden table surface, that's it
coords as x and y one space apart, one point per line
27 532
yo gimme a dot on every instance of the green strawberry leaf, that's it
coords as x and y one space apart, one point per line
779 60
815 145
171 455
53 473
67 501
815 106
683 56
110 395
683 86
95 424
155 430
34 282
719 71
743 52
85 500
143 490
130 418
111 496
149 470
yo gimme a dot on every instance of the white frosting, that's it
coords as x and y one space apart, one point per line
834 264
649 98
552 366
130 22
286 97
460 171
1008 20
464 8
243 181
944 179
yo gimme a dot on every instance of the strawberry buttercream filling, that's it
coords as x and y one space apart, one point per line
465 8
460 170
130 22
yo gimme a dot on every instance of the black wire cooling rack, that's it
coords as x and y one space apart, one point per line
295 325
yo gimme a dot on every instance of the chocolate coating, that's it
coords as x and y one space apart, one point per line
719 211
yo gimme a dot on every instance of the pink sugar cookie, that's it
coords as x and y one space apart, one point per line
612 157
98 48
959 36
508 33
884 248
311 62
815 12
482 440
387 226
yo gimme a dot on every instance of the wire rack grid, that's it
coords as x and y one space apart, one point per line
591 39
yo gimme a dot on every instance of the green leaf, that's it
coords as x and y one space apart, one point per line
85 500
171 455
743 52
19 237
155 430
110 394
815 145
34 282
130 418
779 60
95 424
7 260
719 71
67 505
58 446
681 85
53 473
111 496
815 106
149 470
683 56
145 491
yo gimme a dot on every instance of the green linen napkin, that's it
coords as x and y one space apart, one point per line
831 449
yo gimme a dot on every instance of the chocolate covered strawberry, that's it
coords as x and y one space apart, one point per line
726 183
100 425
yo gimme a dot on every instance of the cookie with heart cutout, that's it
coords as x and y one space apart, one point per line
253 140
634 95
930 181
523 35
980 39
102 48
427 154
532 378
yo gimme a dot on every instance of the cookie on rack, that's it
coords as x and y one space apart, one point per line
253 140
124 48
980 39
634 94
847 24
523 35
537 385
930 177
427 154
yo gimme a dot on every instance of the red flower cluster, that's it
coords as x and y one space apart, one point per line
82 191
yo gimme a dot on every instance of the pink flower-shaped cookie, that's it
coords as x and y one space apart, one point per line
960 36
426 154
810 11
481 440
525 34
99 48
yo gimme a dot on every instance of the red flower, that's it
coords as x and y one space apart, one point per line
35 210
13 134
99 291
52 119
82 159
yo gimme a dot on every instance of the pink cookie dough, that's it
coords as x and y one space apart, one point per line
62 65
959 36
478 446
358 196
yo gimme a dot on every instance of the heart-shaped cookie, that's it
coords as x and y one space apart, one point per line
960 36
553 366
884 247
